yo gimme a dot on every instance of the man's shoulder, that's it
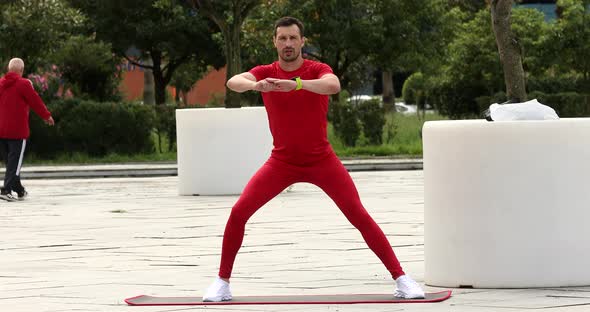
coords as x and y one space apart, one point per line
23 82
271 65
314 63
319 67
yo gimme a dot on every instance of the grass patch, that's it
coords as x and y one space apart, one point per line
402 137
85 159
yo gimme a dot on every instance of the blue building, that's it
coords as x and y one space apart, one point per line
545 6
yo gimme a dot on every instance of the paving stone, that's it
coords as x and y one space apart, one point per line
86 244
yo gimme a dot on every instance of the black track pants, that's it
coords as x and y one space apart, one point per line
13 152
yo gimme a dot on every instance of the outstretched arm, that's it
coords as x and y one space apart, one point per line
242 82
36 103
246 81
327 84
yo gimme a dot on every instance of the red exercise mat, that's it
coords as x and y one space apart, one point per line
144 300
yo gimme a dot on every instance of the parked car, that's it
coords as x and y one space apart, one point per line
399 106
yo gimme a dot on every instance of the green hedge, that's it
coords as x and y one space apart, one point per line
96 129
372 118
566 104
414 89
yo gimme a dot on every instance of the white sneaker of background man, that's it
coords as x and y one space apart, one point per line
407 288
218 291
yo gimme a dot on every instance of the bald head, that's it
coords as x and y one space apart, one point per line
16 65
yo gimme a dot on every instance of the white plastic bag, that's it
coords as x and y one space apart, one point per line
530 110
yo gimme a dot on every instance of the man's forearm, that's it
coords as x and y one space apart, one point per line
239 83
327 86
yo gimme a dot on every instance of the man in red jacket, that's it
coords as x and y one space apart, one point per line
16 97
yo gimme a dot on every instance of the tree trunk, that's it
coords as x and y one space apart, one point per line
388 91
177 97
230 24
509 50
159 83
234 62
148 85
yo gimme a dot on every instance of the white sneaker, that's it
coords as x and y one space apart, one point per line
407 288
7 197
218 291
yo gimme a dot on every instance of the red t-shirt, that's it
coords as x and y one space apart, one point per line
297 119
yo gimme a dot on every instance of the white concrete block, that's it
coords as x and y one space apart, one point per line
219 149
507 204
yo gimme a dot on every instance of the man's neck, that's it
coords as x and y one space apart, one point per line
291 66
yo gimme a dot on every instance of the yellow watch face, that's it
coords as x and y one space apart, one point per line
299 83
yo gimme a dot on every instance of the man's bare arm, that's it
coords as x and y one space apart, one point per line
246 82
327 84
242 82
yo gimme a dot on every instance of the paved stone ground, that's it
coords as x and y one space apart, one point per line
86 244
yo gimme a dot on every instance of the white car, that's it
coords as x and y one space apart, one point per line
399 106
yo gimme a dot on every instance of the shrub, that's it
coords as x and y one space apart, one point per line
89 68
94 128
372 118
456 99
344 118
484 102
414 89
166 125
566 104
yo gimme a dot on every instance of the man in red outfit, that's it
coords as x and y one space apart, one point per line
295 93
16 97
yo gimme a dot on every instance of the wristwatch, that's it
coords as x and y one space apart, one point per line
299 83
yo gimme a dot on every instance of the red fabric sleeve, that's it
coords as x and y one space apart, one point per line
323 69
261 72
33 99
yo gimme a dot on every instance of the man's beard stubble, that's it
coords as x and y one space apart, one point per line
293 57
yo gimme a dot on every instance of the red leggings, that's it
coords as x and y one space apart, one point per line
330 175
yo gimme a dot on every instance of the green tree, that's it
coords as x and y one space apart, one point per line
32 29
169 32
409 34
471 67
186 76
472 6
89 68
570 42
229 16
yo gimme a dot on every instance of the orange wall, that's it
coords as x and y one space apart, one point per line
210 88
132 84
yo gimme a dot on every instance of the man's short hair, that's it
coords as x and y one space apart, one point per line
288 21
16 65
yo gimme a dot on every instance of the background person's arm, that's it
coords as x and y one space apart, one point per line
36 103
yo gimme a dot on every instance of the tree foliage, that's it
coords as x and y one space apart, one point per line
229 16
32 29
169 32
472 68
89 68
571 39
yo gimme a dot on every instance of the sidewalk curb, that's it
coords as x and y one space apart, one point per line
158 170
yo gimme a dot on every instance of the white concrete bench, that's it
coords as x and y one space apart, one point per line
219 149
507 204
